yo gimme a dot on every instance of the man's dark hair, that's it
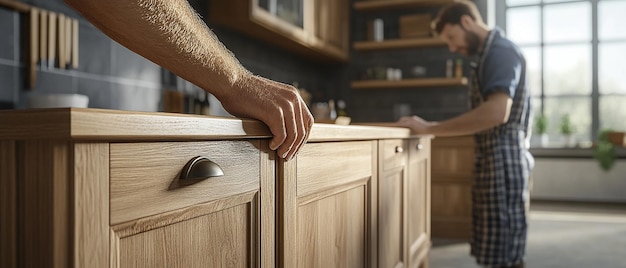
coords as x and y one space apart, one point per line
452 13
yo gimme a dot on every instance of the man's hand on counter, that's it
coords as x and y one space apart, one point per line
415 123
277 105
169 33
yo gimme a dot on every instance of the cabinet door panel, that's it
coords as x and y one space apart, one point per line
327 199
452 178
418 210
391 220
207 235
331 164
332 231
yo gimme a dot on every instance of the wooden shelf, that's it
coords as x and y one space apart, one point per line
407 83
398 43
363 5
15 5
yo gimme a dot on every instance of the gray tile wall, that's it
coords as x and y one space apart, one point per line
117 78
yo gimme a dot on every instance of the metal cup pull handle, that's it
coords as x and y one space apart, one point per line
200 168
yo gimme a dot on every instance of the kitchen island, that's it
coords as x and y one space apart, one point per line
106 188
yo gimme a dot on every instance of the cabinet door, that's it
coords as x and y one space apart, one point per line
317 29
392 187
158 220
418 206
326 213
332 25
452 178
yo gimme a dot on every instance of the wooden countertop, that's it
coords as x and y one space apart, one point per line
115 125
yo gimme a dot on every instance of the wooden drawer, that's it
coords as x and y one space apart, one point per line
329 164
394 153
144 176
419 148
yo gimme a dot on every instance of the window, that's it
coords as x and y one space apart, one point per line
575 53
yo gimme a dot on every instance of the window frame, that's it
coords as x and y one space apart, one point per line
501 9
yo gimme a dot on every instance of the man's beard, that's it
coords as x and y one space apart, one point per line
472 40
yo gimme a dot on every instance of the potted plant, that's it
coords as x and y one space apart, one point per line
605 150
541 126
567 130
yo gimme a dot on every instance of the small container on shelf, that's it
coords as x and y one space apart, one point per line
458 70
415 26
376 30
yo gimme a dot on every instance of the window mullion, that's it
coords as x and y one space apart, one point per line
595 91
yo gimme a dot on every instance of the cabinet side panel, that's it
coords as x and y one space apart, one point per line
91 205
8 205
43 201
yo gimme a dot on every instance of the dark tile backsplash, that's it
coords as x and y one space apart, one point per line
116 78
8 82
98 91
95 51
8 28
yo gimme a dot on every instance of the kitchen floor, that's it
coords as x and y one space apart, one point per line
572 235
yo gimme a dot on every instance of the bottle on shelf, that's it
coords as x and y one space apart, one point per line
333 111
376 31
458 71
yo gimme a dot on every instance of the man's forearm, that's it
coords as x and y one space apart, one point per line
491 113
169 33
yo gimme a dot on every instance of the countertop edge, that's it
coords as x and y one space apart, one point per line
90 124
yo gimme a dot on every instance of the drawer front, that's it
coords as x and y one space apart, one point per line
419 148
144 176
329 164
394 153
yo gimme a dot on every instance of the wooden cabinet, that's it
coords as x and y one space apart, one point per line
99 188
322 35
113 205
452 178
87 200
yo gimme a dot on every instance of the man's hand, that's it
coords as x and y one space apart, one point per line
277 105
169 33
415 123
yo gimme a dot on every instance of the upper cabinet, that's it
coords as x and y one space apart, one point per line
318 29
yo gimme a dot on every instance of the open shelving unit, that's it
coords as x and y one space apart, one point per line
394 44
410 83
